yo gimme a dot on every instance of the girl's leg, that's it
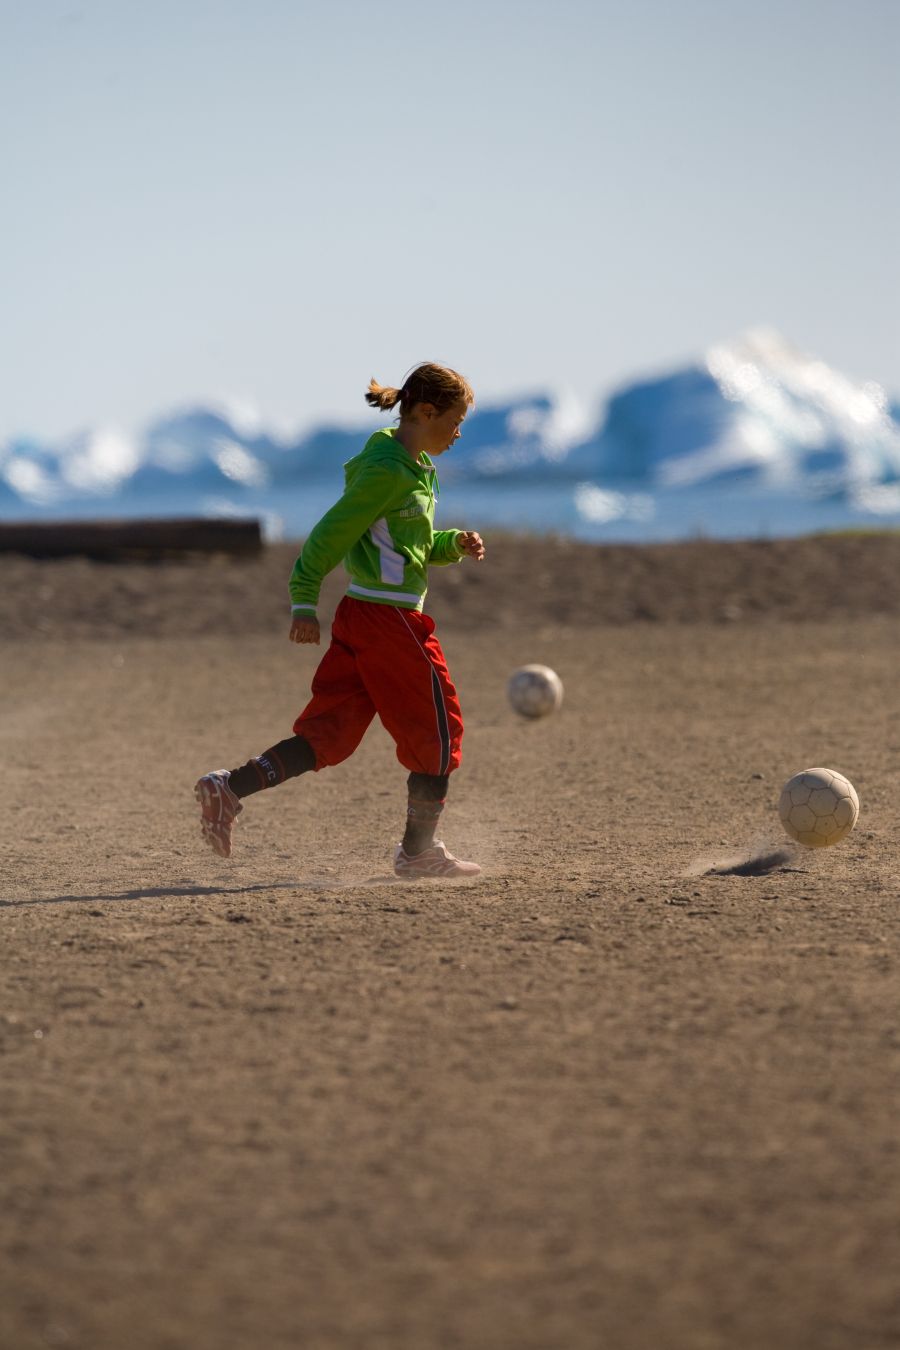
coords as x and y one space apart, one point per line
405 672
287 759
420 854
340 710
403 667
427 795
327 731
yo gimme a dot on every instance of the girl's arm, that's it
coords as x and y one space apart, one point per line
451 546
367 498
472 544
444 547
304 630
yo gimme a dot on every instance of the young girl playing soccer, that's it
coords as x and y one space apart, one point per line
384 657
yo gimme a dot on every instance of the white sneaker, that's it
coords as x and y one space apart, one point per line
218 809
435 861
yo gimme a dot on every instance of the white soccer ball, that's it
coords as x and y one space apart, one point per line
535 691
818 807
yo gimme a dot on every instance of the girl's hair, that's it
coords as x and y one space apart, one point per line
427 383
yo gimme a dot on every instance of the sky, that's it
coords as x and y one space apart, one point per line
269 201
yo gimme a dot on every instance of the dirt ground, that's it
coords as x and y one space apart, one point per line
597 1099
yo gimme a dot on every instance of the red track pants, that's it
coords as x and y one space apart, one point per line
387 661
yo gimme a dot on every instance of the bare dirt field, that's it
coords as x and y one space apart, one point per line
597 1099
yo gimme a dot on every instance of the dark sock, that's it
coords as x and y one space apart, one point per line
287 759
427 793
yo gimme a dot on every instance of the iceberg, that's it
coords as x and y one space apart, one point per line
754 417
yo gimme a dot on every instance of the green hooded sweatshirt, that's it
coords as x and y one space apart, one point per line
382 527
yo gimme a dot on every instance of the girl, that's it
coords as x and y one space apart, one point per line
383 657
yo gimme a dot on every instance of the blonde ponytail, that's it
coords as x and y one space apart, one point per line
382 396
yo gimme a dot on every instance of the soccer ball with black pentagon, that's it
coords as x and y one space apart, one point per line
818 807
535 691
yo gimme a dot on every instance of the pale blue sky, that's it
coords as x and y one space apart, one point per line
274 200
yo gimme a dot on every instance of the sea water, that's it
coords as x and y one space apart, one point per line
589 511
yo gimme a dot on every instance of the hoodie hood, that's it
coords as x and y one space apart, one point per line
383 448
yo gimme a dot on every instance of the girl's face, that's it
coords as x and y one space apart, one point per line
443 428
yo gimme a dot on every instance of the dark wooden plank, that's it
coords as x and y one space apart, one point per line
123 539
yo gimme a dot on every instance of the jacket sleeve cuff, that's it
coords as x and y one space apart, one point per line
449 550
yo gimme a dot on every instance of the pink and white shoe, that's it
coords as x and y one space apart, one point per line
435 861
219 808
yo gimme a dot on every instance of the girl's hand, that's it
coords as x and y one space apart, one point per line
471 544
305 630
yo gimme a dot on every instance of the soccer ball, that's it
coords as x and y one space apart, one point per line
818 807
535 691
